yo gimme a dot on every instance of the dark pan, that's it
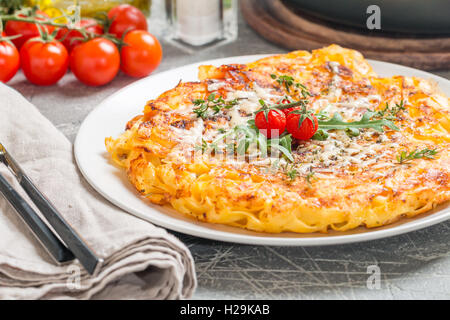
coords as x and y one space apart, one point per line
406 16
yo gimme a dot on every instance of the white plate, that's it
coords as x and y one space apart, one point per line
110 117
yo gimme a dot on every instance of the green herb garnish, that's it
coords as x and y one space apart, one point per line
291 172
245 135
288 82
404 156
285 80
390 113
211 103
303 89
309 176
282 144
352 128
202 146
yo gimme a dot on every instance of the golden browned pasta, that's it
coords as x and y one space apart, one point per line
179 155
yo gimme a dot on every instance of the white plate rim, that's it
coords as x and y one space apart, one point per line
204 232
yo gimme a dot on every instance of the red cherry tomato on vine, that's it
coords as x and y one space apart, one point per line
125 17
27 30
9 60
69 36
95 62
303 131
273 126
141 54
288 110
44 63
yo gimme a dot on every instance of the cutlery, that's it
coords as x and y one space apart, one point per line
43 233
69 236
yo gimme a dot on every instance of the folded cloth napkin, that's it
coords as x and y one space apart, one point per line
141 261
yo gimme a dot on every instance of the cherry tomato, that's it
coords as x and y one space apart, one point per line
28 30
44 63
9 60
125 17
141 54
69 36
95 62
273 126
303 131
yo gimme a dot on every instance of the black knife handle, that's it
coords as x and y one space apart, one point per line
73 241
51 243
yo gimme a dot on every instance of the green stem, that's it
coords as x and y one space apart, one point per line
87 34
47 23
12 17
326 126
288 105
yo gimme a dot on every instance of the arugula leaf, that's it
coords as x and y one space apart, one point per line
323 114
283 144
262 143
352 128
286 141
245 135
337 123
320 135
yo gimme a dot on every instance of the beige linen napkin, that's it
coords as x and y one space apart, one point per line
141 260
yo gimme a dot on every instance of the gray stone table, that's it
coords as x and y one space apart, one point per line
414 265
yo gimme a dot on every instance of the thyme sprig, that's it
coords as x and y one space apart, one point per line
390 113
290 171
404 156
285 80
211 103
309 177
201 147
288 82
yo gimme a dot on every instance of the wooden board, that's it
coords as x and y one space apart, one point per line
293 29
